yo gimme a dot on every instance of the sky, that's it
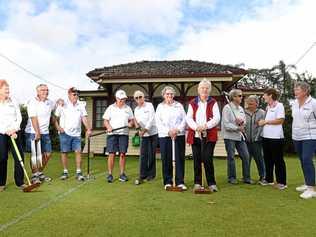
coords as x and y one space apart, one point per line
61 40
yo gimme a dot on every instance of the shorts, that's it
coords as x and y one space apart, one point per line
69 143
46 144
117 143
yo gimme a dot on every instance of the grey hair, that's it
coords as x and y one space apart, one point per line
253 97
233 93
304 86
40 85
207 83
163 92
139 93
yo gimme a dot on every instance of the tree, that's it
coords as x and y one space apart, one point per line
280 78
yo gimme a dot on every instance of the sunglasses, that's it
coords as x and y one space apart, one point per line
75 94
138 97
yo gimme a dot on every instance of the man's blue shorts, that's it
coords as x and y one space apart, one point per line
69 143
46 144
117 143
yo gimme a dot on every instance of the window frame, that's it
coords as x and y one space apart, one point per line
94 112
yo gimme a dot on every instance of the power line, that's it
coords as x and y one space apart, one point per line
30 72
305 53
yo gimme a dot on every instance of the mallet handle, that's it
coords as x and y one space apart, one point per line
20 159
174 161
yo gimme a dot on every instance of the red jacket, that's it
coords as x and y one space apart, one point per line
211 133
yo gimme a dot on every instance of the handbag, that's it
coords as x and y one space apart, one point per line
136 140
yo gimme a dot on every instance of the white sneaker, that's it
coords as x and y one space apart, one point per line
301 188
183 187
280 186
167 186
309 193
213 188
197 186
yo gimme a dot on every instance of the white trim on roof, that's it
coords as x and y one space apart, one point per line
167 79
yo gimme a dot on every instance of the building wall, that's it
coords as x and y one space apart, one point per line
130 89
214 92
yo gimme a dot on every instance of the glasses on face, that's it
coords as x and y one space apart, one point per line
171 94
75 94
240 96
138 97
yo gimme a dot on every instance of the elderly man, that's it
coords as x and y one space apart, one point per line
70 115
115 116
253 132
202 117
39 111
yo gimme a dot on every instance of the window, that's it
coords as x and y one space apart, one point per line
99 108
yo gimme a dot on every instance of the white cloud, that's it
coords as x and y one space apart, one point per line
63 45
280 31
54 28
141 16
48 43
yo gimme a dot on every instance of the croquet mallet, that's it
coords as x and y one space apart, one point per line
30 187
89 175
36 154
202 190
174 188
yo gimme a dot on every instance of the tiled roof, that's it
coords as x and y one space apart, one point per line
156 69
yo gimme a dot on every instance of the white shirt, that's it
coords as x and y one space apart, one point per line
42 110
10 116
304 120
170 117
118 117
145 117
200 117
274 131
71 116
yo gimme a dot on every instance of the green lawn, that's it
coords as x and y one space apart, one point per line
96 208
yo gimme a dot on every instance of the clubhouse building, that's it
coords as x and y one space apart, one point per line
151 77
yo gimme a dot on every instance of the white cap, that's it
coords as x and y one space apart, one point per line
120 94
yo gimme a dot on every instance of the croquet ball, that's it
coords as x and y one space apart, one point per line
137 182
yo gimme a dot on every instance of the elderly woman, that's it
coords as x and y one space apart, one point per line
233 128
202 117
304 136
144 115
273 140
10 120
253 132
170 121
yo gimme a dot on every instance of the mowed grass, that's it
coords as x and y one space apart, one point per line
96 208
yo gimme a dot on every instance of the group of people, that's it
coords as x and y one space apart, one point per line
253 132
67 117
